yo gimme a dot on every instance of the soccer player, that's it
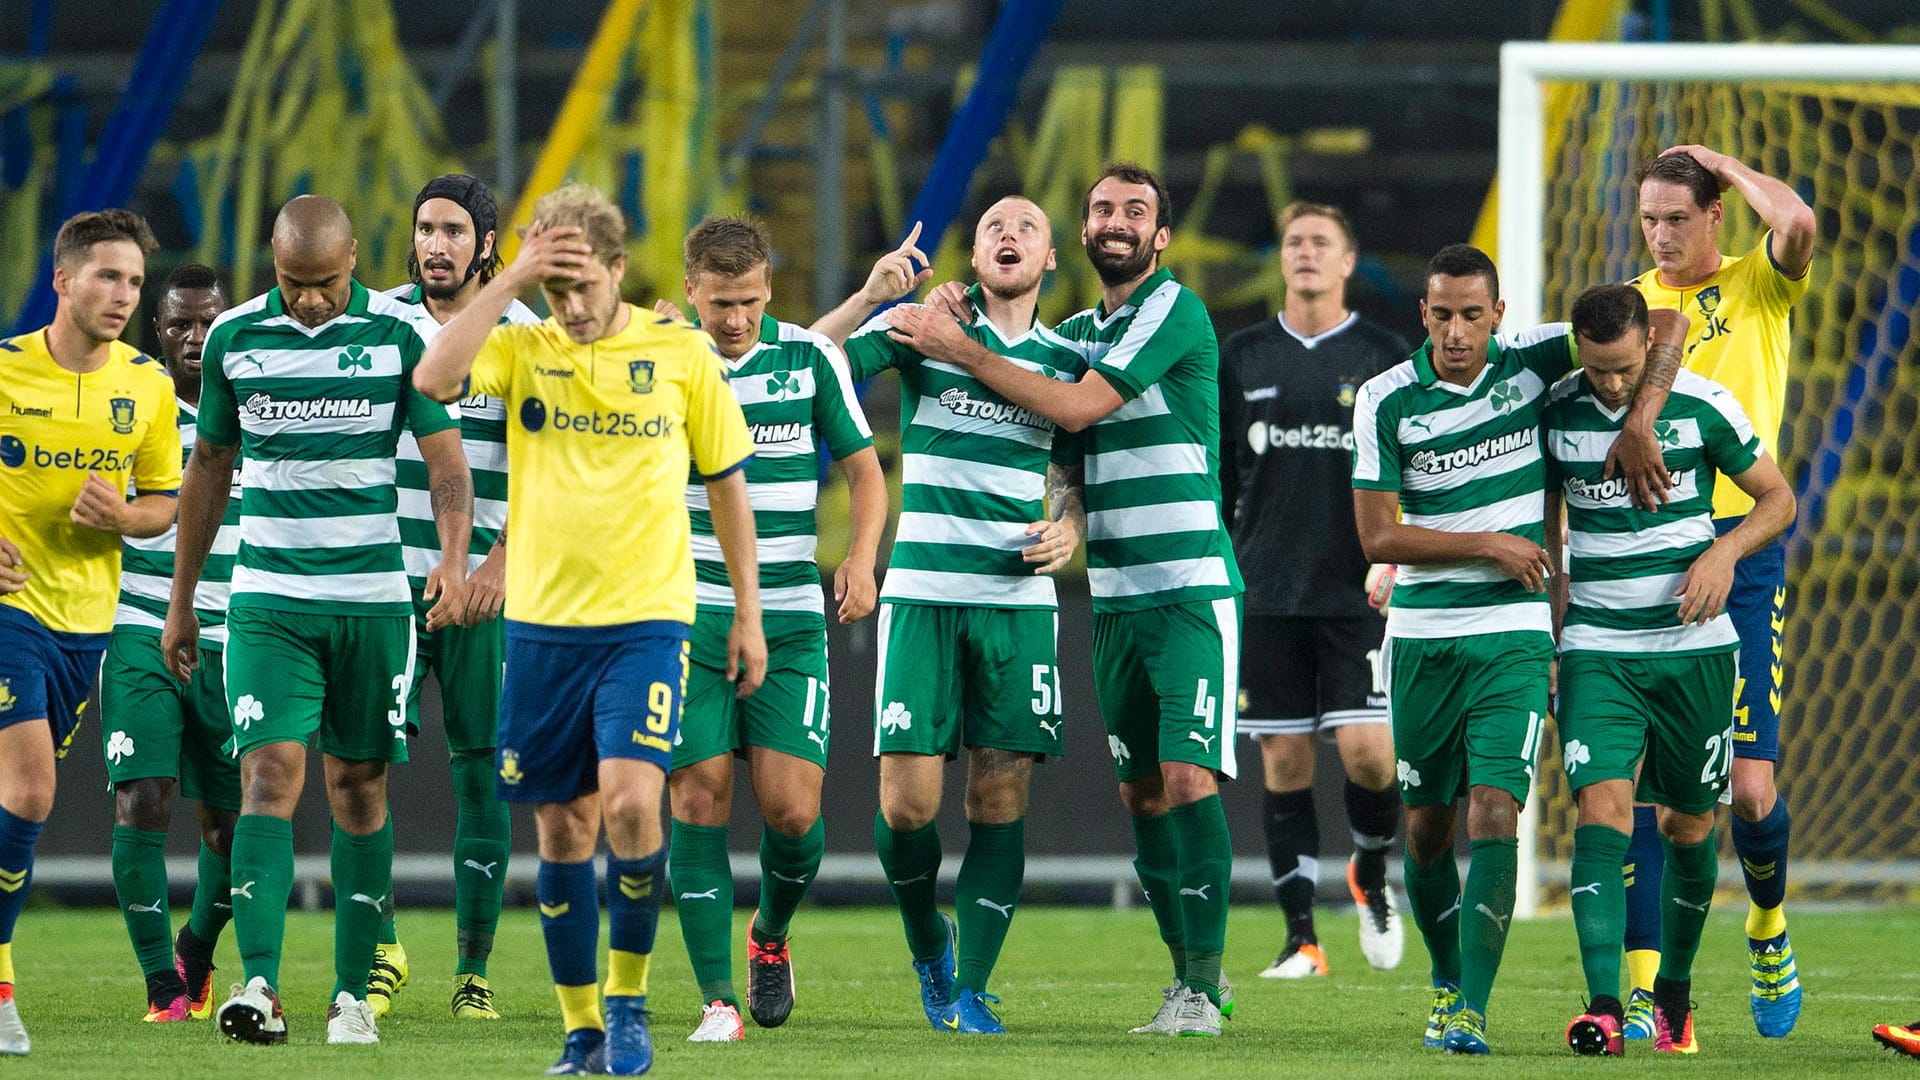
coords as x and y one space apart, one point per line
795 393
968 656
158 732
609 404
454 254
1647 654
1310 647
1165 586
1740 307
1449 484
307 383
90 422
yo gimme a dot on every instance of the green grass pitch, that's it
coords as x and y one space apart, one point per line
1073 980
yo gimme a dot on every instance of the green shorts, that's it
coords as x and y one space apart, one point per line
1467 711
789 711
1168 680
152 726
1676 711
468 662
982 677
291 675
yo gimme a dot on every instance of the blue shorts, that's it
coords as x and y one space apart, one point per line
576 695
46 674
1758 607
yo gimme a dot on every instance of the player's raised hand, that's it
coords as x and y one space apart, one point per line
897 273
13 568
551 251
1703 591
486 588
1054 544
1519 558
1711 160
854 587
668 309
180 641
951 297
99 506
448 583
746 654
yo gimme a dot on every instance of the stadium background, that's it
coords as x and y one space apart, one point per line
827 117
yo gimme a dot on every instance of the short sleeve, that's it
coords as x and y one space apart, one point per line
1764 278
1732 446
837 416
424 415
1164 331
156 465
1376 441
493 365
870 351
716 429
219 421
1546 350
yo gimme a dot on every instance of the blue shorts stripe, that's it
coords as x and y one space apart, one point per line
1758 606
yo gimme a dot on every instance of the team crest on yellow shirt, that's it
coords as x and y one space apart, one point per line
7 697
1708 299
640 376
122 415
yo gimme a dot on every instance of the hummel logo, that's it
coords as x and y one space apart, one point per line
12 880
1691 907
917 877
1200 892
244 890
363 898
710 894
1499 921
1052 730
1005 910
801 880
1204 740
554 911
1591 887
486 869
154 908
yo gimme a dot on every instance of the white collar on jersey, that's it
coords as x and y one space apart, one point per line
1310 342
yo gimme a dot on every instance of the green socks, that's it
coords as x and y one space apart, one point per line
140 883
1486 912
1433 899
986 895
262 881
703 897
1205 855
362 899
911 861
1157 862
1599 905
482 839
787 867
1685 895
212 903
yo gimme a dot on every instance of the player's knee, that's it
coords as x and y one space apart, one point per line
1287 762
566 832
143 804
792 817
1753 792
216 829
905 811
1146 797
1491 814
1373 772
1685 829
996 803
697 800
1429 833
30 801
1188 783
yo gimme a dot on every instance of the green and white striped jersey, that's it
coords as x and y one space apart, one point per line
1154 532
317 412
1463 459
1626 564
146 566
794 390
483 436
974 469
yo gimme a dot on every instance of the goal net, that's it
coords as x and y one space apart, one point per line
1841 125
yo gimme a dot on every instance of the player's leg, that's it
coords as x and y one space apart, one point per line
700 791
1278 689
210 776
636 715
390 970
141 728
1761 826
1644 868
1353 706
787 725
469 663
1504 724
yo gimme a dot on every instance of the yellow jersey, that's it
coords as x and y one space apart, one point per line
598 440
1741 331
56 427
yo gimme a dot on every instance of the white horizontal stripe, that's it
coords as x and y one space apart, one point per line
1210 570
1151 403
920 527
128 615
147 586
380 361
226 541
1016 361
1663 537
940 414
1627 594
1366 418
1521 510
787 598
417 505
1465 622
972 590
1145 461
793 495
1715 634
347 588
214 636
212 595
957 474
776 549
1476 572
420 562
801 446
1443 423
1593 446
1199 515
757 389
375 418
332 475
358 530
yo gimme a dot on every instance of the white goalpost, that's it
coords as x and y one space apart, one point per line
1524 180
